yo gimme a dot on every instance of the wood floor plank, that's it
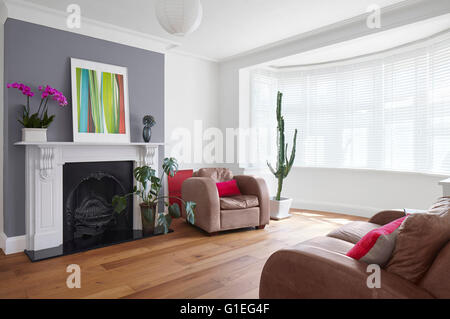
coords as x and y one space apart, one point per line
113 293
171 289
184 264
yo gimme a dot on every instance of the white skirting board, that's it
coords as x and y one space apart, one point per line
12 245
363 211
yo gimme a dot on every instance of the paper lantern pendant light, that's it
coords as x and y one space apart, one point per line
179 17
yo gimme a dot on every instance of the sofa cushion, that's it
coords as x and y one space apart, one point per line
386 216
376 246
328 243
420 238
217 174
353 231
240 218
238 202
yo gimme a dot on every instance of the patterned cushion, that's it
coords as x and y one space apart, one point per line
328 243
353 231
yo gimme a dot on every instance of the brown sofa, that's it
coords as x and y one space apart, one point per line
214 214
319 268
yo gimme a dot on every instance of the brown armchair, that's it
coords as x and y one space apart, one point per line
214 214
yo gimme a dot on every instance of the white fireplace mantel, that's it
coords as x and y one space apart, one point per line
44 182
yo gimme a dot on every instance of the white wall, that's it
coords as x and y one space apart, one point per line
358 192
191 88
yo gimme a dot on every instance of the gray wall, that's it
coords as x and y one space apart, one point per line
1 115
38 55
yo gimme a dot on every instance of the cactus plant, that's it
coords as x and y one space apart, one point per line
283 164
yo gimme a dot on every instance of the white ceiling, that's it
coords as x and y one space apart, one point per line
229 27
366 45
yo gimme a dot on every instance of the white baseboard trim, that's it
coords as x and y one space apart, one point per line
12 245
355 210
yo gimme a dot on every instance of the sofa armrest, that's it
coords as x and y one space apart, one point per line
253 185
386 216
312 272
203 191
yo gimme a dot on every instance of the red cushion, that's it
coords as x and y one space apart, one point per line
228 188
376 246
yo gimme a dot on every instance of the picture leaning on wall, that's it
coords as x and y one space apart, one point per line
100 102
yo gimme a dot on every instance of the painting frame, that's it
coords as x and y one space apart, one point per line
94 122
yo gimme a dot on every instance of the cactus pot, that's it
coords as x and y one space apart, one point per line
279 209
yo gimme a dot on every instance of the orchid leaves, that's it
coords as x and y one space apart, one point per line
47 120
33 120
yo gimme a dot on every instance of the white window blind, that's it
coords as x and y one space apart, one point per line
387 113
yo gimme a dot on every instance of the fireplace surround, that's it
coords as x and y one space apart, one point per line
44 199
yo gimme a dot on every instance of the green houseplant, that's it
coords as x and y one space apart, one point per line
148 190
279 206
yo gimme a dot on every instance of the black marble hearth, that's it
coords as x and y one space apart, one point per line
73 247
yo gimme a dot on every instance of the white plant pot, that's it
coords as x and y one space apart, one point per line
279 209
34 134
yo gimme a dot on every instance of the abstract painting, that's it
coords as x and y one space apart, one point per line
100 92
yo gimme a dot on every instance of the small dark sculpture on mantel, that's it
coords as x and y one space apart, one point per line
148 121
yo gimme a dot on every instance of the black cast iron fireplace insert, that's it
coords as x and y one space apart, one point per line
89 220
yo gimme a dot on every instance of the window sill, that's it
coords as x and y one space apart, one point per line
381 171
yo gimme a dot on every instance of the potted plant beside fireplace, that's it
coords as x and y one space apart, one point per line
279 206
148 190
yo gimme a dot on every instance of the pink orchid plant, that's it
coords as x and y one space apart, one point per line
40 119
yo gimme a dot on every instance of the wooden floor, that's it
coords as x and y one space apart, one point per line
184 264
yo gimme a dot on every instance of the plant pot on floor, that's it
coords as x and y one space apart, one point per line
279 209
148 216
34 134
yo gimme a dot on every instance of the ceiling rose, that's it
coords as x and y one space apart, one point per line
179 17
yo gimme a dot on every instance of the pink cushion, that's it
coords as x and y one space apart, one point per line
376 246
228 188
